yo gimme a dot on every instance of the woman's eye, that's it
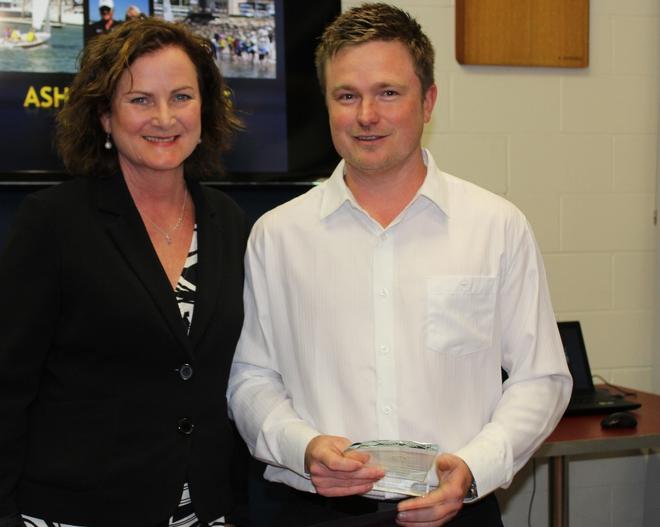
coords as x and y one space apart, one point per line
182 97
138 100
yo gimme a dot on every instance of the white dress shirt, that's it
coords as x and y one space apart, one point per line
366 332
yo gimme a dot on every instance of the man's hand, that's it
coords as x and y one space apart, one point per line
334 473
441 505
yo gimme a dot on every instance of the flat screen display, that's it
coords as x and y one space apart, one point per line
576 355
264 49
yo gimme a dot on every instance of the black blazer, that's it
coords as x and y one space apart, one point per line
97 425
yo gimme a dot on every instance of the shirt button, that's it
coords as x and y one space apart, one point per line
186 371
387 410
384 349
384 292
185 426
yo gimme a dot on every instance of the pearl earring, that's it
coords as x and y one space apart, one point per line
108 144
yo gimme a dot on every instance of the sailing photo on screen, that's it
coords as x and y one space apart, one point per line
242 33
43 36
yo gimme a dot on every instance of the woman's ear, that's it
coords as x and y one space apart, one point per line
105 122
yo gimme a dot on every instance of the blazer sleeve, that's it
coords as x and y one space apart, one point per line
28 313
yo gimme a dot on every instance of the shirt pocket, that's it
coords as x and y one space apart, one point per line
461 313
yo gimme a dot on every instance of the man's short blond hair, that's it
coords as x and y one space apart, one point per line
373 22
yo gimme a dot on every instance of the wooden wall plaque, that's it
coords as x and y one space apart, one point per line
552 33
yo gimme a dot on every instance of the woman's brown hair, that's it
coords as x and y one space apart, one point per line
79 136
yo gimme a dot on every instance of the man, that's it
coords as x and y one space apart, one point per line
106 23
384 303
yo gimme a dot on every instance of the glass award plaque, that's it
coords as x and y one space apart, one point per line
406 465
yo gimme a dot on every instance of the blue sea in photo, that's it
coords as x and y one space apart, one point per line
58 55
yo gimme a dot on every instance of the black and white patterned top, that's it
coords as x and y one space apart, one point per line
185 296
185 289
187 284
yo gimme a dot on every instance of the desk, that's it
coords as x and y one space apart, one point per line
582 434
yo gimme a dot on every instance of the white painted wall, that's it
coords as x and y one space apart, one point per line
577 151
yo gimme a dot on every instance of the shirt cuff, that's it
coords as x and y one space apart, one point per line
293 443
489 458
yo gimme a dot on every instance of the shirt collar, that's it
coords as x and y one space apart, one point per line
335 192
434 188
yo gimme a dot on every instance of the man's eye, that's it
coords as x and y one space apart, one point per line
346 97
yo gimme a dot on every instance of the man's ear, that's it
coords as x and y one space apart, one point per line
429 101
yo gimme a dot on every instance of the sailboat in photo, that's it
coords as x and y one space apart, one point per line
37 35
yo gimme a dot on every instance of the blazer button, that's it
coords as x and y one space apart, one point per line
186 371
186 426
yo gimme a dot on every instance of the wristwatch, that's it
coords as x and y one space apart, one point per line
472 493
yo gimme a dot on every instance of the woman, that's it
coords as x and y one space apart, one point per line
122 299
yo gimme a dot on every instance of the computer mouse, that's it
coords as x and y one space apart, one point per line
619 420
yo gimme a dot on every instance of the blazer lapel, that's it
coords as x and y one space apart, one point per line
209 263
124 225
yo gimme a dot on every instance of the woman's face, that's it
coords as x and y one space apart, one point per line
155 115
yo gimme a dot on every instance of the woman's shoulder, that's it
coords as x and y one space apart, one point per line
64 192
219 202
47 211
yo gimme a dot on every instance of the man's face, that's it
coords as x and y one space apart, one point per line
106 13
377 112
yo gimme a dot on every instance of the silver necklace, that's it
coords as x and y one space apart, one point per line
168 234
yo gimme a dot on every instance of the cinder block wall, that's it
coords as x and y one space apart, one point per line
576 150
